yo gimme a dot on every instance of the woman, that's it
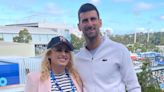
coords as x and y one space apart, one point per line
57 72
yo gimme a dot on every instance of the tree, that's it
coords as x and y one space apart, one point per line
24 36
156 39
1 39
162 38
76 41
146 79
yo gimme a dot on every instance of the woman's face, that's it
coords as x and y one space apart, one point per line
60 55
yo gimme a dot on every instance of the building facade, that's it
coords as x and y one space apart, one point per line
41 33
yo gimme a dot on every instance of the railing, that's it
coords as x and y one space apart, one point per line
153 68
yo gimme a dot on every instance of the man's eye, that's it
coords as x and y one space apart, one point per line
93 18
84 20
67 51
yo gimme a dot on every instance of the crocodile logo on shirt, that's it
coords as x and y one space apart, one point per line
104 60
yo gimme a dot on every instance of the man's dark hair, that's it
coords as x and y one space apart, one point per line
87 7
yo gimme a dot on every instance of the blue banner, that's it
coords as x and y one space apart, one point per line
9 73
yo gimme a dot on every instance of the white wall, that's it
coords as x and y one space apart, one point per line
17 49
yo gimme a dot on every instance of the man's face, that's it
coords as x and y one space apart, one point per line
89 24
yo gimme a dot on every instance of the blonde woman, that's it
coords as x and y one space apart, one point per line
57 72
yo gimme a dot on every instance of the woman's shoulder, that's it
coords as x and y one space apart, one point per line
34 75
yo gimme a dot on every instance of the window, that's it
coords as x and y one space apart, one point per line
8 37
35 38
43 38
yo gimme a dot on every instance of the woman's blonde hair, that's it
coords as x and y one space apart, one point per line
45 67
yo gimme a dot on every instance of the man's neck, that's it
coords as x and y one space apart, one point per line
92 44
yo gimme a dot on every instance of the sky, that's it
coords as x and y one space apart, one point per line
118 16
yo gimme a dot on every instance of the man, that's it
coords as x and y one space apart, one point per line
103 65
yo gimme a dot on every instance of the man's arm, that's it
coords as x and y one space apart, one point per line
128 73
